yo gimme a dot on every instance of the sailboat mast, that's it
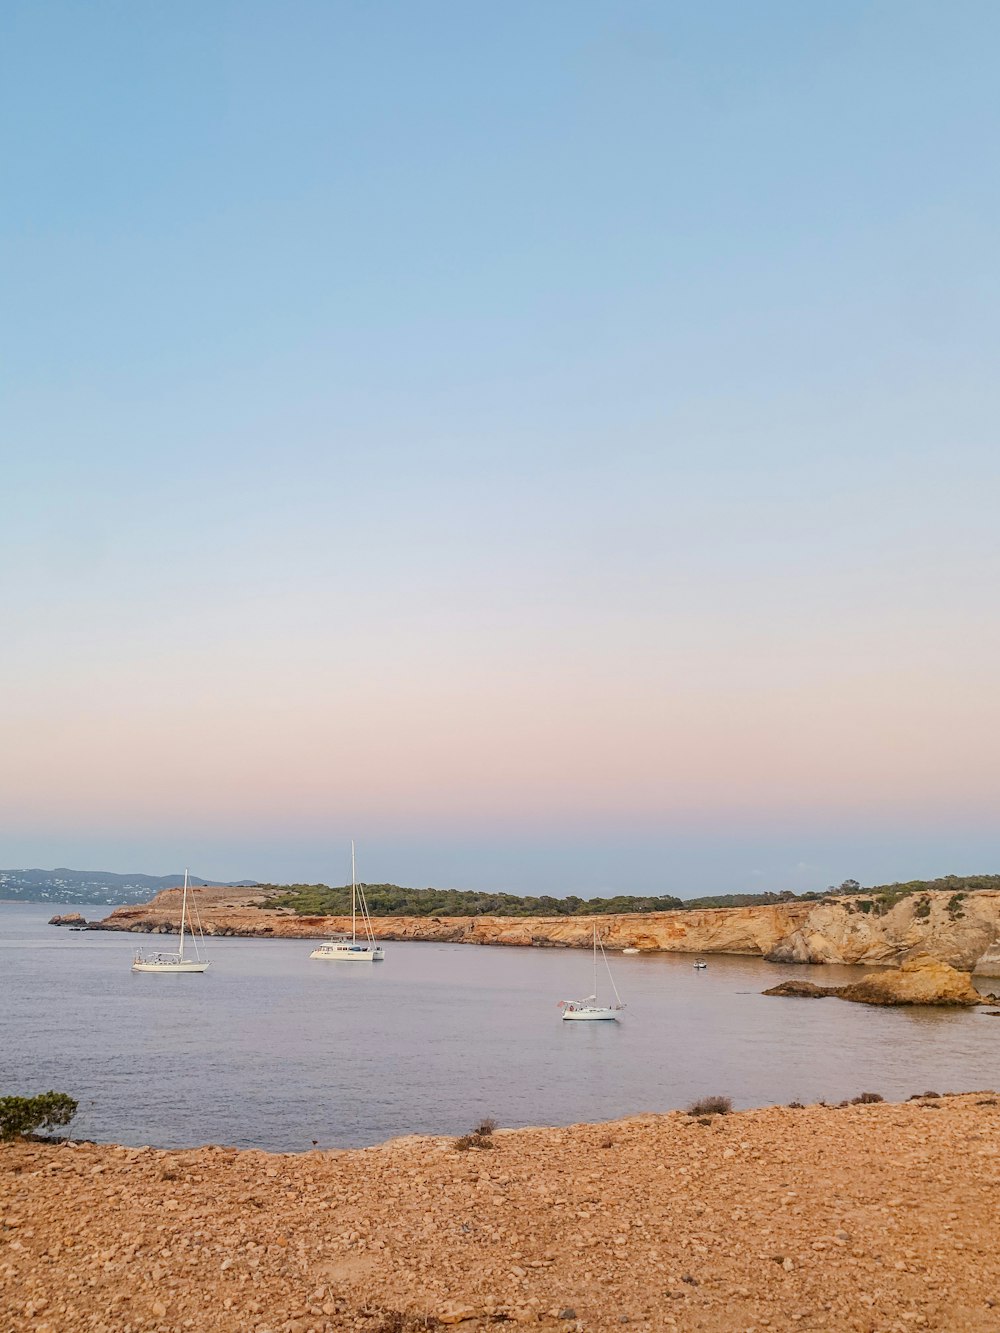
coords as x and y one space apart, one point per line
354 899
184 904
595 962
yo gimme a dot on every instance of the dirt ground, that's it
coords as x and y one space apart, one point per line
867 1217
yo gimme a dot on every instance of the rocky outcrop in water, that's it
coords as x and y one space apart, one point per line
68 919
964 934
919 980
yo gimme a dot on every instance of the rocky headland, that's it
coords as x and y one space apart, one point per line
962 931
866 1217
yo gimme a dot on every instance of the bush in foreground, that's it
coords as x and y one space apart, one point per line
481 1136
28 1115
711 1106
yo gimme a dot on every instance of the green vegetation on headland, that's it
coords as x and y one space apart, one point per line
393 900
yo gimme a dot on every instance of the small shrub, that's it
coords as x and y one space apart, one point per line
28 1115
481 1137
955 908
866 1098
711 1106
923 909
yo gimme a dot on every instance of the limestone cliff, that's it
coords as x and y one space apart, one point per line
964 934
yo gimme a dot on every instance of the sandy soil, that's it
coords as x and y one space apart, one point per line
868 1217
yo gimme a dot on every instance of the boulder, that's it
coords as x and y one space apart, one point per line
806 990
69 919
920 980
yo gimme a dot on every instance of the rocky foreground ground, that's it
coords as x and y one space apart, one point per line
865 1217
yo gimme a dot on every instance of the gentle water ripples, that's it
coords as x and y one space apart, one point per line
272 1050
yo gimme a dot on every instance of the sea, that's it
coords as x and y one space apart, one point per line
272 1050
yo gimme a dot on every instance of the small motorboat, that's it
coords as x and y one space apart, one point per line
700 964
631 949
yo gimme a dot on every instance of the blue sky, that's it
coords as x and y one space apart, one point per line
553 444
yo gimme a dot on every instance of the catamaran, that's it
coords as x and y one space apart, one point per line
179 961
591 1009
340 948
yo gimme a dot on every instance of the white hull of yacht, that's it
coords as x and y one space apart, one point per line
348 953
169 965
589 1015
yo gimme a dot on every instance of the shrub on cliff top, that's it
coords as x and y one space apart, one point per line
28 1115
711 1106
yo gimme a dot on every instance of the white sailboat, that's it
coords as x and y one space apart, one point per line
179 961
344 949
590 1009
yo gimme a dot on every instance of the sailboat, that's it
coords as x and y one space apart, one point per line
340 948
179 961
591 1009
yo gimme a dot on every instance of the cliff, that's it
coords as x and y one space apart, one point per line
965 934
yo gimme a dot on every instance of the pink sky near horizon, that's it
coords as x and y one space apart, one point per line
203 741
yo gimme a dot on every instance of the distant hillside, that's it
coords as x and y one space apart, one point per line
395 900
883 895
392 900
92 886
106 887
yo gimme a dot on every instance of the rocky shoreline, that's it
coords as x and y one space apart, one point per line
963 933
863 1217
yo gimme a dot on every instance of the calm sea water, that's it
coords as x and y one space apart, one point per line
272 1050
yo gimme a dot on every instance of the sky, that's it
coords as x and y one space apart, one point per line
554 445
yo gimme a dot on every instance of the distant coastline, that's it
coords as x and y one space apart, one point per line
966 935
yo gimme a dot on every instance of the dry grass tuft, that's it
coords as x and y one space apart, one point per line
711 1106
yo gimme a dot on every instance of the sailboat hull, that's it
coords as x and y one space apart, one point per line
172 965
348 953
590 1015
